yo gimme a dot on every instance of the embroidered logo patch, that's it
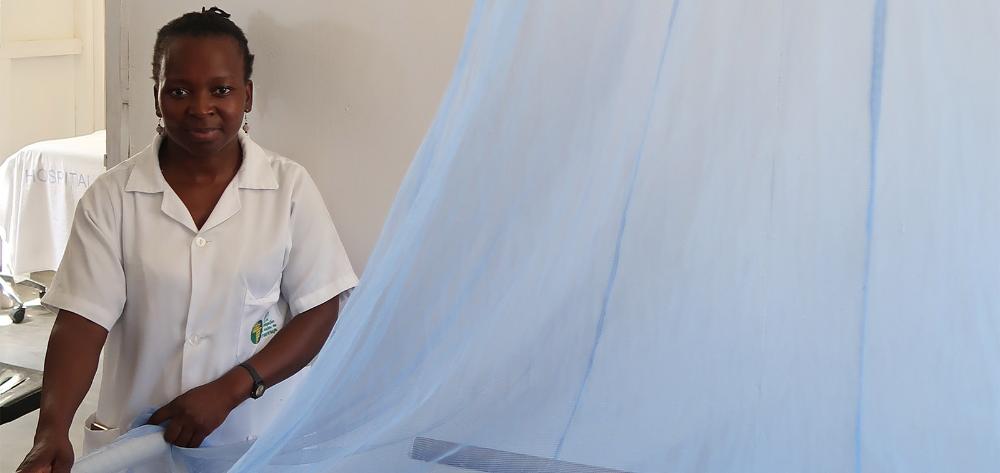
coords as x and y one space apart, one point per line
255 332
263 329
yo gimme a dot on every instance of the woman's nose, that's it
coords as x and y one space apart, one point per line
201 104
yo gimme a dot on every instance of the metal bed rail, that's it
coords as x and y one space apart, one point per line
21 305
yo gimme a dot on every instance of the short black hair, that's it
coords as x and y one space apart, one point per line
207 22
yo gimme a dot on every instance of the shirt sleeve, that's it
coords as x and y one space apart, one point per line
90 280
318 268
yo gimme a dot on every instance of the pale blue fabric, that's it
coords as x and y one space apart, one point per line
698 236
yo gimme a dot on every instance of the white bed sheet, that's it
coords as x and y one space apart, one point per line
39 188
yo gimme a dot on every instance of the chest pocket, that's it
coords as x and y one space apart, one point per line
262 263
263 309
263 316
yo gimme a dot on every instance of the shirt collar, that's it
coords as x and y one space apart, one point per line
254 173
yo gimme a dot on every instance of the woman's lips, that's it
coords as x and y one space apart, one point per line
204 134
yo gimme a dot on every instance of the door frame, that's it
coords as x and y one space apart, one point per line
116 69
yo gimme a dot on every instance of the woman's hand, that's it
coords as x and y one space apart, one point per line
194 415
51 453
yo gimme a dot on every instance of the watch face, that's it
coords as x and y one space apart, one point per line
258 390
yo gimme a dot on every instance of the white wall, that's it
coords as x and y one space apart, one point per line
51 70
346 87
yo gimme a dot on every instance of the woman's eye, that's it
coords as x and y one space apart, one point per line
177 93
224 90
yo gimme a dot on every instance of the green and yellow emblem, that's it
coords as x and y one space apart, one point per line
255 332
262 329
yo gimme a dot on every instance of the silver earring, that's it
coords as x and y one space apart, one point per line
159 127
246 125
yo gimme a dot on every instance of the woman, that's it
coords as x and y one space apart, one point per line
207 267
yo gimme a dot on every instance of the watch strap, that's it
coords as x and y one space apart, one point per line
258 383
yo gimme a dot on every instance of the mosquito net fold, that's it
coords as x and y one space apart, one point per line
688 236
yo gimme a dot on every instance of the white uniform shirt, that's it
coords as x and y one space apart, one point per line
183 305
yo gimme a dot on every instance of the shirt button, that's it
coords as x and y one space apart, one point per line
200 242
194 339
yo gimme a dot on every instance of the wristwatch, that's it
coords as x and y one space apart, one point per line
258 383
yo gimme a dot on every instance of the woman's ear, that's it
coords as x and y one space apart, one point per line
156 100
248 103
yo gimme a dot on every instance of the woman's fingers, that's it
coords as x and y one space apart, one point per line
173 432
184 438
197 439
35 467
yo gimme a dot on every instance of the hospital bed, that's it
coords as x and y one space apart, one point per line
39 188
20 391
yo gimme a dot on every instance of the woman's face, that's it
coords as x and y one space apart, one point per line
202 93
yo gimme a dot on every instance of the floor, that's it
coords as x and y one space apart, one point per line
24 345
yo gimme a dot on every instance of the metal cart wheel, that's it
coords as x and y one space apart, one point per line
17 315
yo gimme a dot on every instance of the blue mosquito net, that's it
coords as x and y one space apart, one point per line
688 236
